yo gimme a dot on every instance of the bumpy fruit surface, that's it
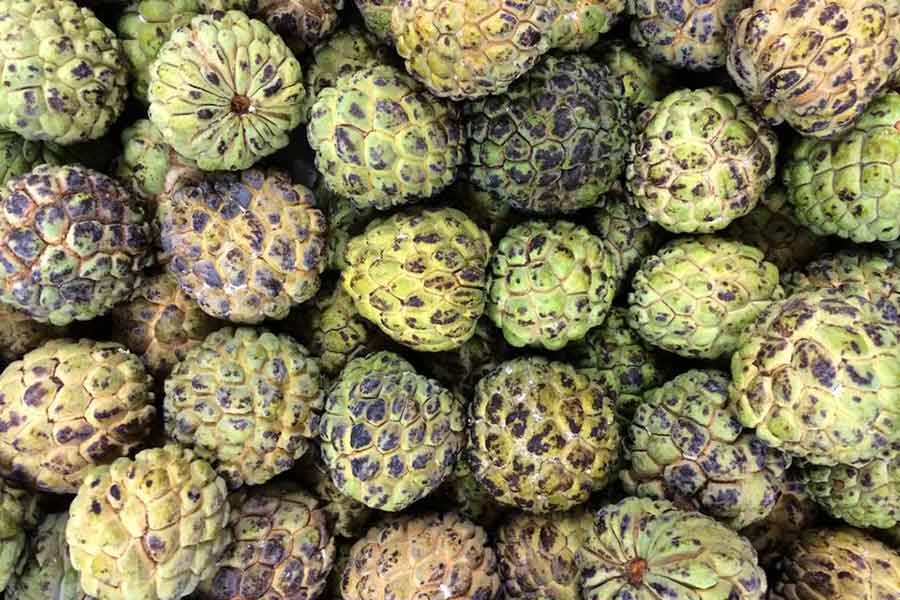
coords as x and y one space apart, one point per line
246 245
816 64
345 221
72 243
696 296
348 517
467 49
850 186
247 401
282 546
643 81
833 564
144 26
864 496
550 283
429 556
48 573
627 231
642 548
65 77
464 494
381 141
687 446
148 528
580 23
543 436
419 275
18 513
69 406
687 34
160 323
300 23
20 333
389 436
700 159
796 369
555 141
225 91
537 555
461 368
17 155
376 15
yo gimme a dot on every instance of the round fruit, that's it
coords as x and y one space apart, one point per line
17 155
643 81
464 494
247 401
628 233
345 221
48 573
700 159
580 23
389 436
301 23
148 528
347 516
18 513
72 243
20 333
543 436
225 91
461 368
376 15
419 275
149 166
864 496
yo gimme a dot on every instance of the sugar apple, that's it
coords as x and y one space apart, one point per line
542 435
300 23
68 406
850 186
72 243
580 23
816 64
537 555
550 282
148 528
686 34
615 349
643 81
17 155
429 556
817 377
282 546
20 333
641 548
864 496
700 159
247 401
465 49
381 141
555 141
389 436
686 445
461 368
348 517
225 91
773 228
19 513
47 573
490 212
345 221
144 26
246 245
836 564
462 493
419 275
160 323
697 295
64 75
376 15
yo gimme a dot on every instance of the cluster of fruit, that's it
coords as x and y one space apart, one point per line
450 299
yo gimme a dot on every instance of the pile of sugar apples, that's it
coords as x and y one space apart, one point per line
450 299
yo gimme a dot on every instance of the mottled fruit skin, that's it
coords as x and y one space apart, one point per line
550 282
282 547
381 141
834 564
225 91
148 165
814 64
686 445
555 141
348 517
864 496
686 34
430 556
376 15
420 276
461 368
148 528
245 246
816 376
462 493
48 573
466 49
542 435
700 159
537 555
850 186
20 333
643 80
580 23
19 512
64 75
72 244
345 221
247 401
17 155
628 233
68 406
646 549
388 435
696 296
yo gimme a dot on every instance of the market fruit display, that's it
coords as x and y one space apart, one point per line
643 81
580 23
300 23
864 496
247 401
